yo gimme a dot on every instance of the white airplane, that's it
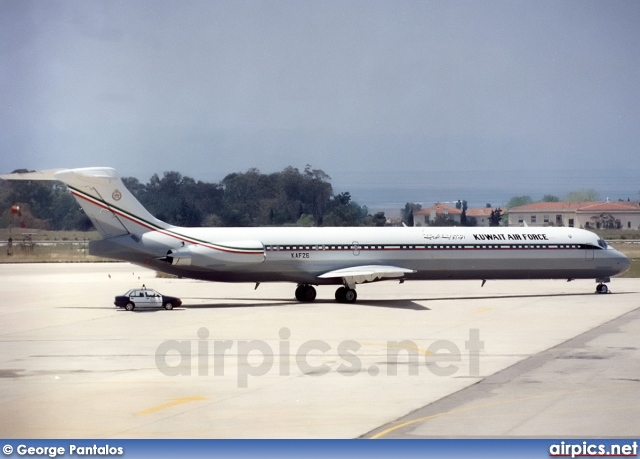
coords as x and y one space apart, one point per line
321 256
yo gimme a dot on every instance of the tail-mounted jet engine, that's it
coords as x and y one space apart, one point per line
210 255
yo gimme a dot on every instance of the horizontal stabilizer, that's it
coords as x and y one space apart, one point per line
37 175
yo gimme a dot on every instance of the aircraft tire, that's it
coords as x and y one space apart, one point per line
346 295
602 288
350 295
306 293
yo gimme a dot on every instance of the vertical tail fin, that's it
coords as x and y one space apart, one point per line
112 208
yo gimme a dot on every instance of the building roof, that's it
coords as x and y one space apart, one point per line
479 212
443 208
440 209
619 206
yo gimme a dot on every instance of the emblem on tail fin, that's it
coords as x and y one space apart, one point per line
116 195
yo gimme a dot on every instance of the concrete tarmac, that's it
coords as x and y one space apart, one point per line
234 362
587 387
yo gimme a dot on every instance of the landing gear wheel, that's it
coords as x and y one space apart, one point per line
346 295
130 306
305 293
602 288
350 296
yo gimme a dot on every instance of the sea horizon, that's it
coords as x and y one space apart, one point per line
384 191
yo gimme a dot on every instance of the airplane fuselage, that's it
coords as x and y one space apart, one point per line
302 254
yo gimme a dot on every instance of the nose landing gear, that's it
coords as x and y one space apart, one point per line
602 288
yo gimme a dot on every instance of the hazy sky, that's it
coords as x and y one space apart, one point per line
355 88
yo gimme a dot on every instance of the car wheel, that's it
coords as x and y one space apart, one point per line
168 306
130 306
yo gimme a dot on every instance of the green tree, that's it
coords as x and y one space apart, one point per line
244 196
171 199
377 219
550 198
407 212
317 192
462 205
607 221
517 201
442 220
66 213
495 217
305 220
583 195
281 198
137 189
34 196
343 212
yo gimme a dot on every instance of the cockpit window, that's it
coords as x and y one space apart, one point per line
602 243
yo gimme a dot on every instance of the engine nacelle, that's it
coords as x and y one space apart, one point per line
212 255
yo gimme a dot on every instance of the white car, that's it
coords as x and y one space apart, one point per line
145 297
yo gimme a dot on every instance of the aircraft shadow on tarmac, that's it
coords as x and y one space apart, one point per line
410 304
395 304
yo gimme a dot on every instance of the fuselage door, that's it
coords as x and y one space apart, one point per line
588 255
356 248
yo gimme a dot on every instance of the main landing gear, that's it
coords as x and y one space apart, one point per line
346 295
307 293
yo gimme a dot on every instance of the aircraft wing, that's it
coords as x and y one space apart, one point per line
371 273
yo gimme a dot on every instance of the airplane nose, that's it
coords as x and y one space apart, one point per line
623 263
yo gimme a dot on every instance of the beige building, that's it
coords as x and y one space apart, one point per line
481 214
577 214
424 216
